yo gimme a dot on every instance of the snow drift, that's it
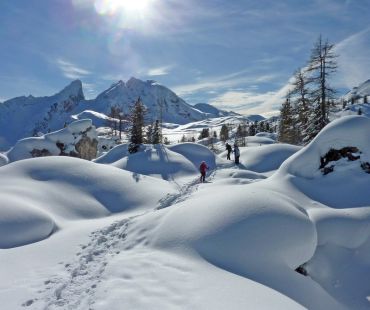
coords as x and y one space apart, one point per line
39 194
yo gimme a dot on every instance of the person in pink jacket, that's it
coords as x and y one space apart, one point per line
203 169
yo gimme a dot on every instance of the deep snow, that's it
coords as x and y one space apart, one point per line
139 231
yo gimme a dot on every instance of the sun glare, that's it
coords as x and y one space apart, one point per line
123 6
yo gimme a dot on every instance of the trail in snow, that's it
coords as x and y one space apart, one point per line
184 193
76 290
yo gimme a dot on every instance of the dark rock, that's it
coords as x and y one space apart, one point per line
40 153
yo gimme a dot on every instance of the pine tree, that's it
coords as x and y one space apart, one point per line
322 65
204 133
301 103
286 126
224 133
149 134
157 133
137 125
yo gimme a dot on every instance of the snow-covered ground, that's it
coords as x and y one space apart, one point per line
140 232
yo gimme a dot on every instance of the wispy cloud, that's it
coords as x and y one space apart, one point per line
71 70
164 70
223 82
251 102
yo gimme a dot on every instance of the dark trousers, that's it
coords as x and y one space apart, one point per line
237 159
228 155
202 177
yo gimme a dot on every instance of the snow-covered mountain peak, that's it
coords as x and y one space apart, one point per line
74 89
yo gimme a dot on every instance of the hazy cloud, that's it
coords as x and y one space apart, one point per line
223 82
71 70
164 70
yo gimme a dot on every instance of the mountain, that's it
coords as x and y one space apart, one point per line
213 111
26 116
359 93
29 116
160 101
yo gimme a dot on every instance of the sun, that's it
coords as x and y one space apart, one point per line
135 5
112 7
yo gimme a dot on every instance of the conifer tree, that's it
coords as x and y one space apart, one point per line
322 65
137 125
286 131
224 133
156 133
301 104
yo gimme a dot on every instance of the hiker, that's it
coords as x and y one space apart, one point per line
228 149
203 169
236 153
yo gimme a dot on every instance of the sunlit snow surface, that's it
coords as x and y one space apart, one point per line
140 232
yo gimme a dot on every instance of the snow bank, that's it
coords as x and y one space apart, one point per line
266 157
341 263
22 222
274 230
60 189
347 186
157 161
269 135
167 163
61 142
115 154
346 131
195 153
259 140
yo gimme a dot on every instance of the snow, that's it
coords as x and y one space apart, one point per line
69 136
264 158
139 231
346 131
3 159
39 186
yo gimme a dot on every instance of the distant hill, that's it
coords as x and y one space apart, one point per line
359 94
213 111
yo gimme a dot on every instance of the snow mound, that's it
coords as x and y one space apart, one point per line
195 153
22 222
265 158
341 263
275 231
115 154
61 142
37 192
347 131
167 163
346 185
259 140
269 135
157 161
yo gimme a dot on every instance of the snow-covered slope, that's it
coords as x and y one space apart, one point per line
358 93
233 242
39 196
212 111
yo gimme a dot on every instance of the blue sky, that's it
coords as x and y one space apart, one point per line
236 55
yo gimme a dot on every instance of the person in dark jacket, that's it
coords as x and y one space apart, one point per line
203 169
228 149
236 153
